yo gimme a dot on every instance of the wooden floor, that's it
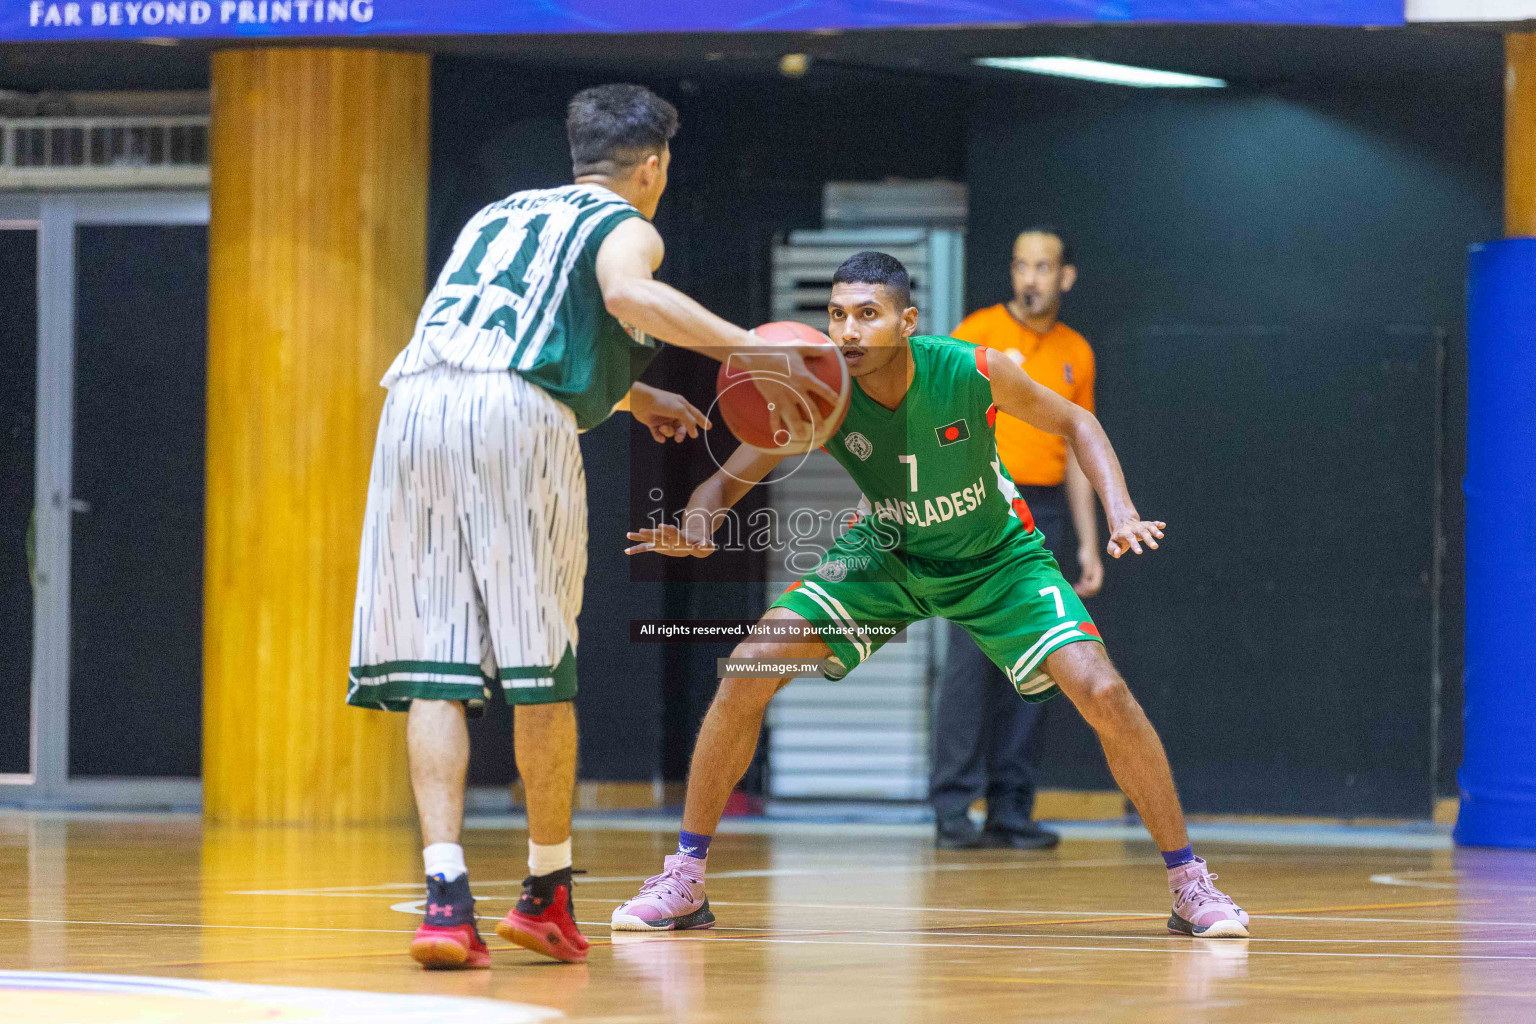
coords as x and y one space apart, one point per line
847 925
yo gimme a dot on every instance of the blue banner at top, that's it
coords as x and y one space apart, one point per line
38 20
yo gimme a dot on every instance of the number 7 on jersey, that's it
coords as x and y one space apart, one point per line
1061 609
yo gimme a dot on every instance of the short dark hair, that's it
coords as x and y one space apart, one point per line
870 267
1054 232
613 127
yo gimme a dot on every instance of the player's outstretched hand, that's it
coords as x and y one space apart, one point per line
1131 534
669 540
665 414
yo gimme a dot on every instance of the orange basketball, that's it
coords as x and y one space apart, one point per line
746 410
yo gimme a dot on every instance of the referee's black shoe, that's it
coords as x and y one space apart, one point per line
959 834
1030 837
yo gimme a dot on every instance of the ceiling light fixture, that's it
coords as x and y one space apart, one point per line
1101 71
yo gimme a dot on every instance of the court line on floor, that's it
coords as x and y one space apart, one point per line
1407 880
1111 916
1111 949
1256 914
119 968
1012 865
1161 937
1299 915
781 932
1241 983
282 927
1233 984
1406 920
115 968
1081 916
1307 914
1168 944
200 924
774 932
1085 916
1108 915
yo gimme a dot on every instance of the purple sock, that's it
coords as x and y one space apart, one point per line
1178 858
692 845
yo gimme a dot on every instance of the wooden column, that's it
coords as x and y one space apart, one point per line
1520 135
317 248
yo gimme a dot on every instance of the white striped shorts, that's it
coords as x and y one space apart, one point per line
474 545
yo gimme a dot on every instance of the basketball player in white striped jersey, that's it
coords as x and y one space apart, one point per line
474 544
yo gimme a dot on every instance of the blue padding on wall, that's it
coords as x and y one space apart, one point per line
1498 773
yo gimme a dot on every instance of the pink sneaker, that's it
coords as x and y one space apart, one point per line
1201 909
671 901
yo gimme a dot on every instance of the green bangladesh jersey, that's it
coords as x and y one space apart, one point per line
520 294
929 468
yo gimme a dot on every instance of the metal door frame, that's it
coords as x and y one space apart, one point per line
56 217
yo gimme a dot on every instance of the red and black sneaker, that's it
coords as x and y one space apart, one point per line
544 919
448 938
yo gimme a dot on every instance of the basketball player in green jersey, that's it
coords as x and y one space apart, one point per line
946 536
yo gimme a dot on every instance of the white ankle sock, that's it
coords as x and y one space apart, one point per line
543 860
446 859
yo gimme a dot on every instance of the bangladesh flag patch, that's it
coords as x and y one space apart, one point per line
953 433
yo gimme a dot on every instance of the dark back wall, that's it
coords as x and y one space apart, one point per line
1271 282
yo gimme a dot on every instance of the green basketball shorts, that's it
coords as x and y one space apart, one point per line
1015 604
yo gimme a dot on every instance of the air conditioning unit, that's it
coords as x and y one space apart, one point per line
104 152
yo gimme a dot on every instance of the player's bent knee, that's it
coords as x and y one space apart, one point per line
1109 693
748 690
1089 679
752 650
1103 698
758 690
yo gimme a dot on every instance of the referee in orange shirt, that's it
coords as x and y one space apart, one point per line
982 730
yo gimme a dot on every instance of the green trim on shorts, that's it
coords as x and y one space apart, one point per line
392 685
1028 674
1033 684
847 653
549 684
397 694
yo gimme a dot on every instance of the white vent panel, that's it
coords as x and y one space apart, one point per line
104 152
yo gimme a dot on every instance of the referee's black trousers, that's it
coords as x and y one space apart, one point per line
982 731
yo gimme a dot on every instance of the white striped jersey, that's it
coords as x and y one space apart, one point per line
520 294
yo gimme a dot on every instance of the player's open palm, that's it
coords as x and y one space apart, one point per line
1131 534
665 414
669 540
